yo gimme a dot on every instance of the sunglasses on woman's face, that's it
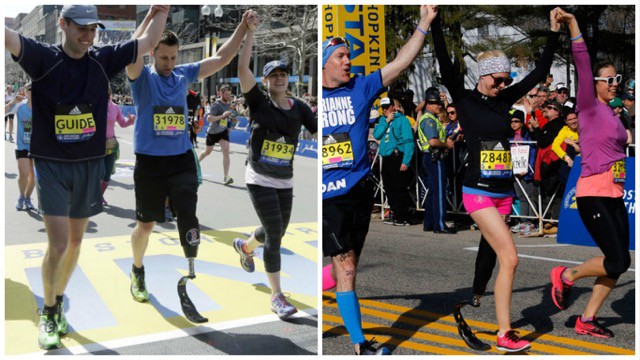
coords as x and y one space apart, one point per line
451 112
610 80
497 81
336 41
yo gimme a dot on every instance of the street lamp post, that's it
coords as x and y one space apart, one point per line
207 25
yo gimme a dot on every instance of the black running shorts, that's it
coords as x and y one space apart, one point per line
345 219
212 139
159 177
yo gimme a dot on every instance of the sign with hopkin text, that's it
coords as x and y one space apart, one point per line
363 27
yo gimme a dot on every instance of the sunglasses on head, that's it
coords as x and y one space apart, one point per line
336 41
610 80
497 81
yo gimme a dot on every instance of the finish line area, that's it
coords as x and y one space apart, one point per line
100 309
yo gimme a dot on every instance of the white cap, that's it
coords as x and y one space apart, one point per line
385 101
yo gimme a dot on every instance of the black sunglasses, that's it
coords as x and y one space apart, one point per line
336 41
497 81
451 112
515 121
610 80
552 107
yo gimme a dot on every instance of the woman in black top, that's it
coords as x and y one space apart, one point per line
488 184
276 120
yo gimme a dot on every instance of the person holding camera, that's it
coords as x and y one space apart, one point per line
396 149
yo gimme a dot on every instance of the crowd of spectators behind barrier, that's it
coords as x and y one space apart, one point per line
545 120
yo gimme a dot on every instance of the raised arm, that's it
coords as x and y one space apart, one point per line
226 52
586 91
411 49
148 34
447 70
12 41
247 78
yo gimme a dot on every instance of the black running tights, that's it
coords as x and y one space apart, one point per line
273 207
607 221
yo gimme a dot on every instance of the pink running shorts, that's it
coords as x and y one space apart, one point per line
473 202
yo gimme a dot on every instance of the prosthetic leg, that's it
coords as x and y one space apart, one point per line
190 241
485 263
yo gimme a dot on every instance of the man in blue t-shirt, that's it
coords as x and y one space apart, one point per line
68 139
165 160
346 191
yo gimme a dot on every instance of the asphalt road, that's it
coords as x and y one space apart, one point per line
104 319
409 280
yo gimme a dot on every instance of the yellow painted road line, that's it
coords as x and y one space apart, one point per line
535 346
492 327
405 334
399 343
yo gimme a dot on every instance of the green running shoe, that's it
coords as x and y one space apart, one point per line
61 320
138 289
48 337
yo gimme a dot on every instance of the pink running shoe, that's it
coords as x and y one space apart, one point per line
559 289
510 342
592 328
328 282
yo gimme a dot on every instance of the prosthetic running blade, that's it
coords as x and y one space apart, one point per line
464 329
188 308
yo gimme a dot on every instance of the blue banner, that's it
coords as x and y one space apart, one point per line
571 230
240 135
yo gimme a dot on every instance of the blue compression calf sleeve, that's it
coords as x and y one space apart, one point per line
350 311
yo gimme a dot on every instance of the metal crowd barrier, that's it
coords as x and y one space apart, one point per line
419 190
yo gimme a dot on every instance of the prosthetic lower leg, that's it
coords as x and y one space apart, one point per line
190 241
485 262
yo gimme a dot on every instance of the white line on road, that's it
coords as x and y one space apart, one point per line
542 258
174 334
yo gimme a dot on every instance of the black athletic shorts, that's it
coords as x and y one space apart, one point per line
159 177
345 219
212 139
21 154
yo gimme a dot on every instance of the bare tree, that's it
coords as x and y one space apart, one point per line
287 33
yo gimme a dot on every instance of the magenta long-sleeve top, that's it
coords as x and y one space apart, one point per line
114 114
602 136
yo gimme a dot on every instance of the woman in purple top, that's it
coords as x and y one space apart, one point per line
600 187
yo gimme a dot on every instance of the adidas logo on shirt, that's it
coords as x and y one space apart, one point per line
281 140
75 111
170 111
330 140
498 147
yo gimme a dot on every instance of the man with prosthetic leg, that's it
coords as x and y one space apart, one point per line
347 190
165 161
